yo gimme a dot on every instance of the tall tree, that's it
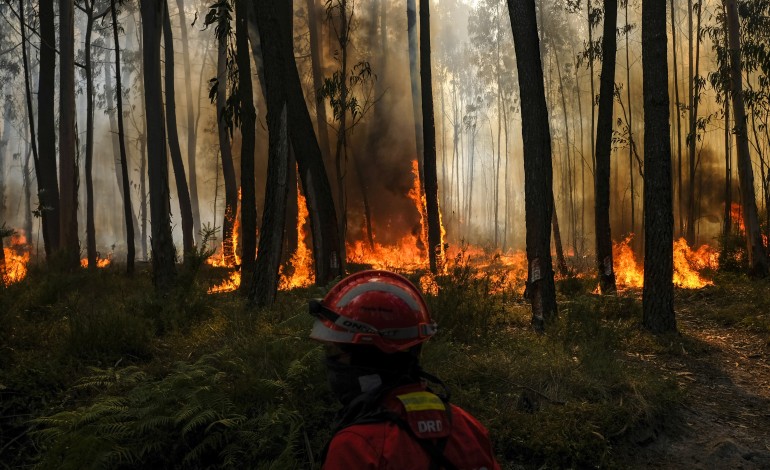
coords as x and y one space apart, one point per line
758 263
658 293
680 207
274 24
248 134
604 150
128 212
68 169
183 194
192 134
45 169
7 117
328 251
316 58
694 97
435 244
538 176
163 251
411 22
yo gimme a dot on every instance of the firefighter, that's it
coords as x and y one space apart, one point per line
373 324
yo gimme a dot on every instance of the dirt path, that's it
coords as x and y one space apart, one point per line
725 420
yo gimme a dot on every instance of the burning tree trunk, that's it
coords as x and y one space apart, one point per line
537 161
604 149
163 252
183 194
192 134
658 294
248 132
435 243
228 169
758 263
328 250
68 170
125 187
45 168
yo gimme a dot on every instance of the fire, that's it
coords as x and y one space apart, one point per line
16 260
302 260
687 263
221 261
627 272
100 262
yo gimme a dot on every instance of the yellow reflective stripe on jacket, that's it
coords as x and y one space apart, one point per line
421 401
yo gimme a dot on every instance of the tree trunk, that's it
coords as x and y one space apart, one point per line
680 209
192 134
46 168
537 162
90 223
128 212
163 251
68 169
228 169
328 251
604 150
593 92
560 261
435 243
658 294
315 57
183 194
7 117
758 263
340 157
248 133
693 133
630 128
411 22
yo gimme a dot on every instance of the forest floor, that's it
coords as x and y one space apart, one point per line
724 421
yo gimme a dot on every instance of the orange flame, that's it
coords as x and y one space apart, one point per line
685 275
16 260
302 260
220 260
627 272
100 262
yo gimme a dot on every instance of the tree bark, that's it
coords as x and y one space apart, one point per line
328 250
125 187
315 57
183 194
411 22
68 170
680 209
7 111
758 263
7 117
604 150
538 190
192 133
435 244
163 251
46 168
90 223
693 134
228 169
658 293
248 134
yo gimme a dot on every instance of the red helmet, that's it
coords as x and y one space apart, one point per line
377 308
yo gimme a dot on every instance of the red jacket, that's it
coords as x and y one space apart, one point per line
386 445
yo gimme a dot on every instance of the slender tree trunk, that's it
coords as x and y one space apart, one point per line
411 26
435 244
693 134
680 208
183 194
90 223
538 187
593 91
7 113
658 293
248 133
560 261
630 127
192 134
758 263
316 58
163 251
7 117
68 165
128 212
228 169
604 150
340 158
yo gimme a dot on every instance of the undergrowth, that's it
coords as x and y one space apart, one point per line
97 371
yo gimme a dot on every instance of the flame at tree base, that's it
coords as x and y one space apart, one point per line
16 260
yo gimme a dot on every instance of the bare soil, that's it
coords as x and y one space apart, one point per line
724 422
